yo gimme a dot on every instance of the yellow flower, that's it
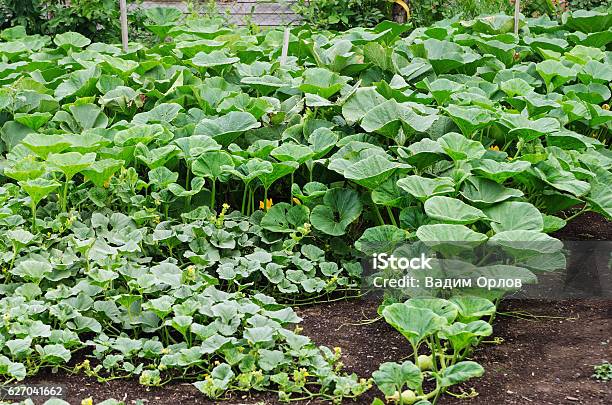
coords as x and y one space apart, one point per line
606 107
267 205
494 147
296 201
87 401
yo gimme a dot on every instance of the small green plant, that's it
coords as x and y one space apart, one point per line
603 371
448 330
427 12
343 14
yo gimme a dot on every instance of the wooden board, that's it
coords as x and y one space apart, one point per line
261 12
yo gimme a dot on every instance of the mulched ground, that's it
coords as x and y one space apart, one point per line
545 359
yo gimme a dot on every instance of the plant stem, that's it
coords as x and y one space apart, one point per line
212 195
381 221
187 188
244 196
265 201
65 196
290 190
390 212
582 211
33 207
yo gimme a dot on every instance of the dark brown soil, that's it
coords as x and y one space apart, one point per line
588 226
544 360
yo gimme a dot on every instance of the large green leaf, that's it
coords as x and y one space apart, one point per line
322 82
414 323
514 215
470 119
71 163
372 171
360 103
393 377
39 188
285 218
387 118
340 208
499 171
458 147
450 237
452 210
423 188
227 128
460 372
486 192
212 164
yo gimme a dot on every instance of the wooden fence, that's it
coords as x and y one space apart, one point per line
261 12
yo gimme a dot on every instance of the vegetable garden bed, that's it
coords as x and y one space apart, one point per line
169 213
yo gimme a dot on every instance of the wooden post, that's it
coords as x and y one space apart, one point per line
124 25
517 12
285 50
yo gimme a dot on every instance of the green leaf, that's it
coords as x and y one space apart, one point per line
217 58
458 147
469 119
341 208
279 170
460 372
461 335
415 324
102 170
227 128
392 377
32 270
514 215
33 121
43 145
499 171
472 308
283 217
71 40
71 163
360 103
380 238
290 151
441 307
372 171
486 192
39 188
423 188
520 241
387 118
322 82
25 169
450 237
452 210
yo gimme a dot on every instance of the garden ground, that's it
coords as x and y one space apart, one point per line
544 359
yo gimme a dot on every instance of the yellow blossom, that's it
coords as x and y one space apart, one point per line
494 147
267 205
87 401
296 201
